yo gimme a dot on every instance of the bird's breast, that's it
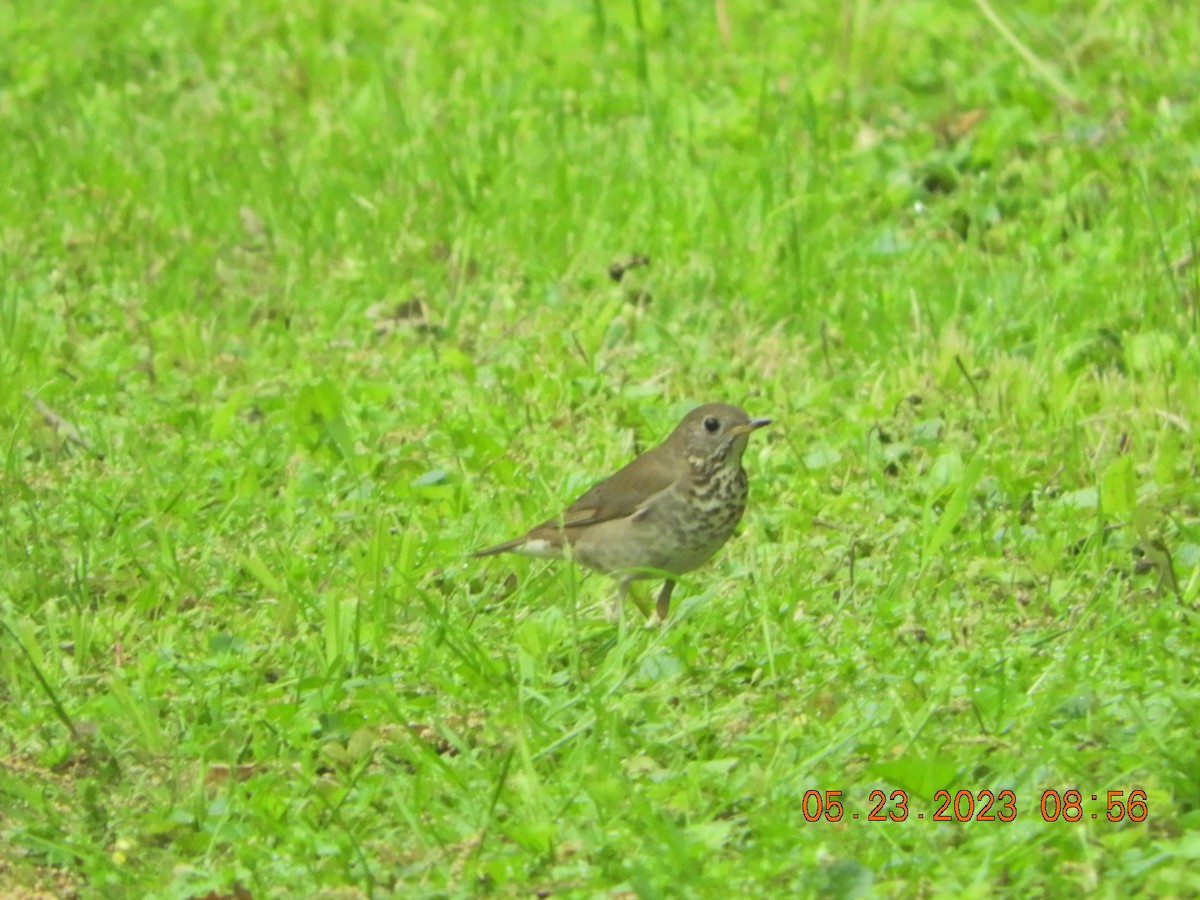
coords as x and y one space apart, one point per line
719 499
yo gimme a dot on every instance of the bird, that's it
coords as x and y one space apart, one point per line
663 515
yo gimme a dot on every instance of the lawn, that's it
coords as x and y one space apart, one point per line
300 303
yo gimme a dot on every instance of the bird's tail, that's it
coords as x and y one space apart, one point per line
500 548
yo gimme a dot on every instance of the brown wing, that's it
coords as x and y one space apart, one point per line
617 497
620 495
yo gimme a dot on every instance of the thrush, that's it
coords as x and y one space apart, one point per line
664 514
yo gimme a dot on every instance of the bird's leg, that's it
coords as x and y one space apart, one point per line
664 599
618 602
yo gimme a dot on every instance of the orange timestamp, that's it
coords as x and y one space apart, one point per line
980 806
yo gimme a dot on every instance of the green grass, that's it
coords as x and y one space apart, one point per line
301 302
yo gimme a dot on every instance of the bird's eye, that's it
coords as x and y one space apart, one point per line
712 424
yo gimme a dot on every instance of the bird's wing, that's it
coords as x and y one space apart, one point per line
619 496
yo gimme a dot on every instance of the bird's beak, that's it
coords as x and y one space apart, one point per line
752 425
